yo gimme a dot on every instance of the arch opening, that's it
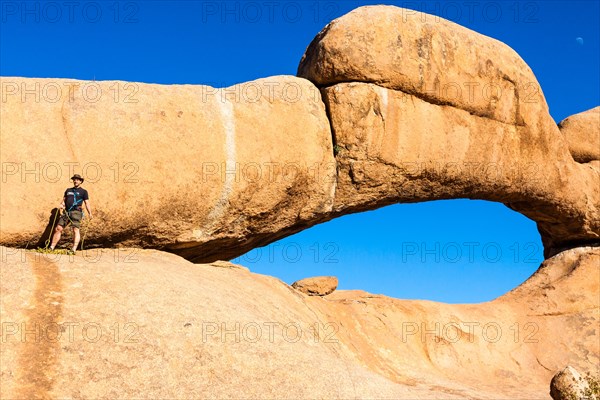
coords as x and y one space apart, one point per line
452 251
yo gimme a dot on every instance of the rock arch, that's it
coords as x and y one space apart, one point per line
212 173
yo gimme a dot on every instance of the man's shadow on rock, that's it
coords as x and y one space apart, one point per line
46 237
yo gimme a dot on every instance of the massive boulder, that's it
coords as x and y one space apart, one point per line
428 57
582 132
207 173
131 323
424 109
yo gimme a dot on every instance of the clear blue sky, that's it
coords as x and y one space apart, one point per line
454 251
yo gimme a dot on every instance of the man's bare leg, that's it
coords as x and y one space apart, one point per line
56 236
76 237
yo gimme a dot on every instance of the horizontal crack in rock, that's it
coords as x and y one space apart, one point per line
428 99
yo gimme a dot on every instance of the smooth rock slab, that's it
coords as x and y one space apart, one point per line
149 324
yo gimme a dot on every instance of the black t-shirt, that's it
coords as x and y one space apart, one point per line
74 198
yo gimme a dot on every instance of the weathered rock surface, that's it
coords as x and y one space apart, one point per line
568 384
428 57
418 109
394 147
414 118
582 132
132 323
206 173
316 286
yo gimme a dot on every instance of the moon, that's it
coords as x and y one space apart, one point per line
579 41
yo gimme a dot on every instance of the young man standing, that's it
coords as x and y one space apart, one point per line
73 200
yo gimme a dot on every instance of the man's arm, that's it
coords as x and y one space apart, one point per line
62 204
88 207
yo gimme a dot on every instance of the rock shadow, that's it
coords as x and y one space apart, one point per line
44 240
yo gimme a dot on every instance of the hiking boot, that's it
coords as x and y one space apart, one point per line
71 252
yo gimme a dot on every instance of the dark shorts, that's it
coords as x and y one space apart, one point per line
71 217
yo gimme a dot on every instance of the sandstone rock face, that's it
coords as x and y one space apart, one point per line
568 384
428 57
207 173
402 135
395 147
131 323
582 132
316 286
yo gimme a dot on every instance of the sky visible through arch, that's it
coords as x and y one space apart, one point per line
454 251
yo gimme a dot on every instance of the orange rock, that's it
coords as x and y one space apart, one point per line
568 384
133 323
207 173
212 173
582 132
316 286
414 118
428 57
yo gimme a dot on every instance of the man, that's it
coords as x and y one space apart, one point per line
73 200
